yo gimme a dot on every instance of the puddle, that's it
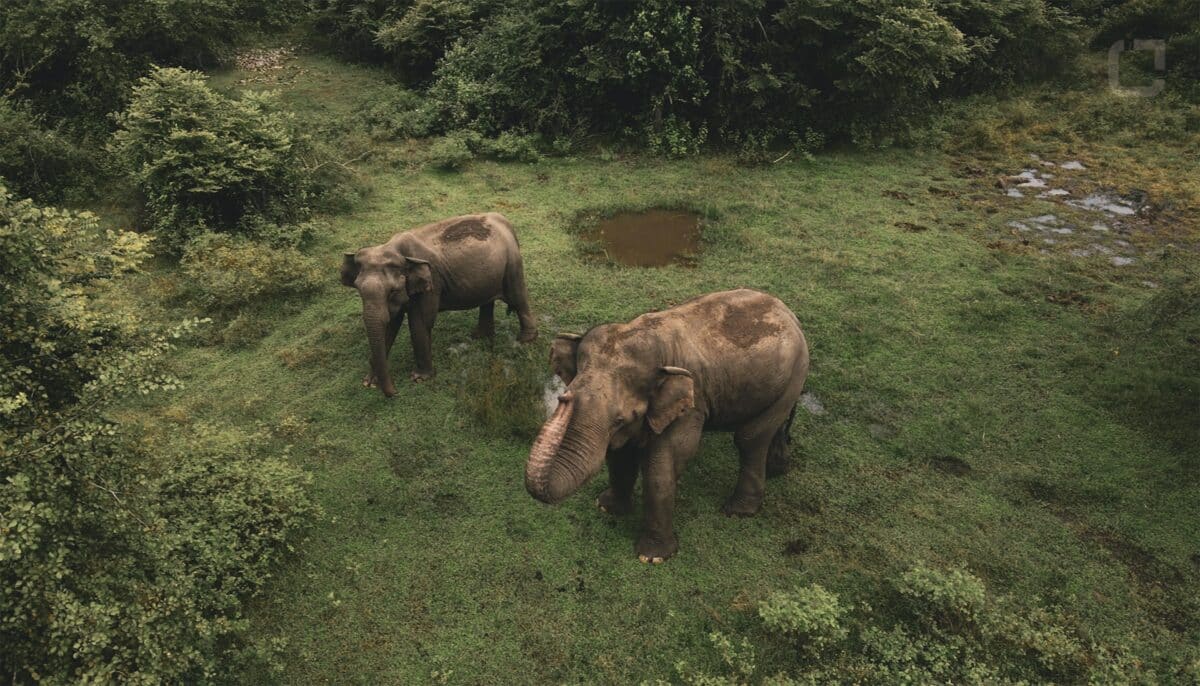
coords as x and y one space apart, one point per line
653 238
1105 203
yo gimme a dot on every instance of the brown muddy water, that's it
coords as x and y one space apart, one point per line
653 238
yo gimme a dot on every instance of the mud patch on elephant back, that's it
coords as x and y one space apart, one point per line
748 324
653 238
467 228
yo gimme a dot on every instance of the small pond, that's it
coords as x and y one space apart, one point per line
653 238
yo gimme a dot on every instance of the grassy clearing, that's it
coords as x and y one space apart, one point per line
967 423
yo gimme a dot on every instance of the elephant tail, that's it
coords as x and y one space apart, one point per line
778 455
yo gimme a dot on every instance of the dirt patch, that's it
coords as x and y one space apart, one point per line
654 238
911 227
467 228
747 325
797 547
948 464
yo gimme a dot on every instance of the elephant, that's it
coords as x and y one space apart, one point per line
639 394
458 263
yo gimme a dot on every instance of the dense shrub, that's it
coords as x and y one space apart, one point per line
78 58
398 113
207 162
762 74
941 627
1176 21
412 35
223 273
116 565
55 336
449 152
38 159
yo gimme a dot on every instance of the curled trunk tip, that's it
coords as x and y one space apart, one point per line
545 449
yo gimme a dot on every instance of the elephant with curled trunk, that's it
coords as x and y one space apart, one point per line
455 264
639 395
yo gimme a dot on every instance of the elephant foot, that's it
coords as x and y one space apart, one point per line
419 377
742 506
527 336
481 332
609 503
656 549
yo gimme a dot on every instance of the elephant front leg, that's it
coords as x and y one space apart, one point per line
420 327
393 328
617 500
664 462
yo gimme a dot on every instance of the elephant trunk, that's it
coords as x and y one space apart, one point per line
566 453
375 319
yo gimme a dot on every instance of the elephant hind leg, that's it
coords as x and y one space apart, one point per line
779 453
517 299
755 441
487 321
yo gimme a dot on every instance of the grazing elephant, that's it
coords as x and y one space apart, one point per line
455 264
639 394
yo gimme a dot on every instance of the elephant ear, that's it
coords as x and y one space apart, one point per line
562 355
418 276
349 269
674 395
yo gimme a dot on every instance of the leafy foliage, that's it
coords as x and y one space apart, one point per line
223 273
75 58
38 159
947 628
55 336
207 162
115 564
757 73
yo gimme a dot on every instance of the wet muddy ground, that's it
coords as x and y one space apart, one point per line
1093 224
653 238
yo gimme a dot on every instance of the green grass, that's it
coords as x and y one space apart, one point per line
925 345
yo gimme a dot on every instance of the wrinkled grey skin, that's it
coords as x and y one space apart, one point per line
639 395
455 264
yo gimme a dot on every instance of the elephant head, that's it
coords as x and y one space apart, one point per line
616 393
386 281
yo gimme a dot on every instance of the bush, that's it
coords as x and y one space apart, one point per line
669 74
116 565
37 159
411 35
398 113
206 162
812 615
449 153
511 146
76 58
55 337
942 627
1177 21
224 273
